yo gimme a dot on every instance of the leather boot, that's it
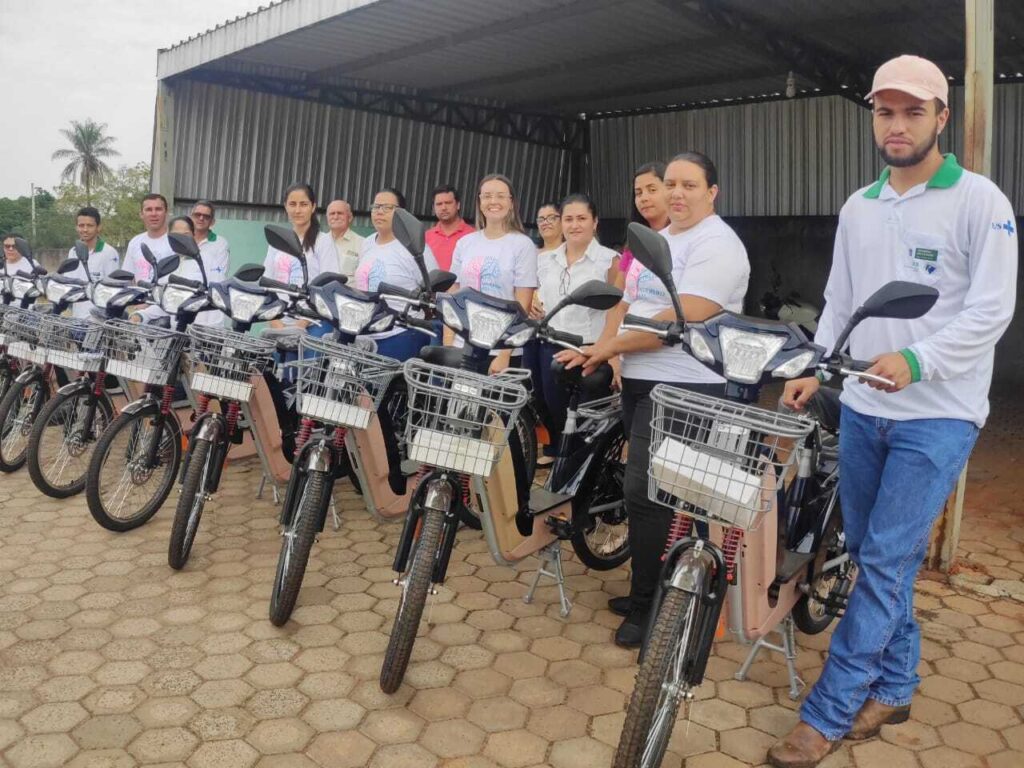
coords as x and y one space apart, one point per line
803 747
872 716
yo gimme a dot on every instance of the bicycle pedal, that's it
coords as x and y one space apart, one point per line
559 526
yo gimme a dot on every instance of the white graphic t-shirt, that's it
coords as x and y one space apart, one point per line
495 267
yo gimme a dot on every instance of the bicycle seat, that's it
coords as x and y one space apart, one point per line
448 357
286 339
597 384
825 407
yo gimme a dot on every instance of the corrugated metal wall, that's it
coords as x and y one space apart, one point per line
246 147
783 158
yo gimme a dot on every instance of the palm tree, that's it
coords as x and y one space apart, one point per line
89 146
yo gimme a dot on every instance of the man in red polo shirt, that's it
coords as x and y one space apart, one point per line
450 225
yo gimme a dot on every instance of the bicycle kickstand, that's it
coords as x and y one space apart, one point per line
788 649
551 565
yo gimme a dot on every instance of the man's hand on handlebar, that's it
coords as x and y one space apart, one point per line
892 366
798 392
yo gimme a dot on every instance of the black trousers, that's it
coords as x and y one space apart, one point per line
648 521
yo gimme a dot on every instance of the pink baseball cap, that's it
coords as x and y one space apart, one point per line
911 74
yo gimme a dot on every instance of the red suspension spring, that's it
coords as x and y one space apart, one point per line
232 418
339 438
305 430
203 404
101 377
466 492
679 528
730 550
165 402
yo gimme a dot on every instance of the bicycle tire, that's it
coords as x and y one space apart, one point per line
14 437
36 469
94 487
191 501
602 484
303 527
672 634
806 615
412 602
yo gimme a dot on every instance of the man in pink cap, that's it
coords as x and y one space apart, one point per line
925 220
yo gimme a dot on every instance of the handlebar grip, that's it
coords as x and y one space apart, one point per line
145 284
655 325
858 365
394 290
415 322
266 282
573 339
176 280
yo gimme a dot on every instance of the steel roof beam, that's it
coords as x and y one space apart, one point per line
829 71
531 127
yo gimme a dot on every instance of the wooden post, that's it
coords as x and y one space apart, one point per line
979 80
162 171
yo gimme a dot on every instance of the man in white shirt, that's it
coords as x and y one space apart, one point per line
103 258
154 217
214 248
346 242
928 221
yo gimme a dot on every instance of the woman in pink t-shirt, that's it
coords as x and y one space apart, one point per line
651 208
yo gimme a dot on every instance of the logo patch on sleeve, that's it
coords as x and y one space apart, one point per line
926 254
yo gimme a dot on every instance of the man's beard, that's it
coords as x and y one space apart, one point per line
915 157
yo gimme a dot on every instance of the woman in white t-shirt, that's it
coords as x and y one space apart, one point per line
382 259
578 260
300 206
498 259
711 271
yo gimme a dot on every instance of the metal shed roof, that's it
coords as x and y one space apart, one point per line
565 57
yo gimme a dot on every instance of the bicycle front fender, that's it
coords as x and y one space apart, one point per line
30 374
147 404
74 387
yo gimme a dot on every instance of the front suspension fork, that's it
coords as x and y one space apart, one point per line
438 492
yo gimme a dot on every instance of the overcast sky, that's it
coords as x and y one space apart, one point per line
63 60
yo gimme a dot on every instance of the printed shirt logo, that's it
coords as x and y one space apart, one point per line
484 275
641 284
1005 225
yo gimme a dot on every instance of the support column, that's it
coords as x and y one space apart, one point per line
162 170
979 80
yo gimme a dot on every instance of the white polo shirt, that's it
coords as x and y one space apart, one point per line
215 252
556 280
708 260
103 259
957 233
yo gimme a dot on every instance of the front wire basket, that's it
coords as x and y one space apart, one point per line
21 332
143 353
341 384
459 420
4 308
719 460
223 362
72 343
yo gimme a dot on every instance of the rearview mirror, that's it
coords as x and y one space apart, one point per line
167 265
251 273
121 274
596 294
68 265
81 252
651 250
900 299
409 231
21 244
183 245
285 240
441 281
148 254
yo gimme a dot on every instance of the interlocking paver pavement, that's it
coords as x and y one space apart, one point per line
110 658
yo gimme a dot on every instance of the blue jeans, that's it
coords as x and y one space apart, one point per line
894 478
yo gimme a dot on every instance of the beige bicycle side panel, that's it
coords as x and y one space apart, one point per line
757 614
268 431
368 454
498 501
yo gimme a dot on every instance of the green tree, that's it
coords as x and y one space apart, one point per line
89 147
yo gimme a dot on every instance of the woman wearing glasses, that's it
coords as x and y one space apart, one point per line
385 260
549 224
497 259
559 272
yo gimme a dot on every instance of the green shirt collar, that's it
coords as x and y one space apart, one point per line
949 173
99 245
212 237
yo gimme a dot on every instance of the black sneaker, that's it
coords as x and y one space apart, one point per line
620 605
630 633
